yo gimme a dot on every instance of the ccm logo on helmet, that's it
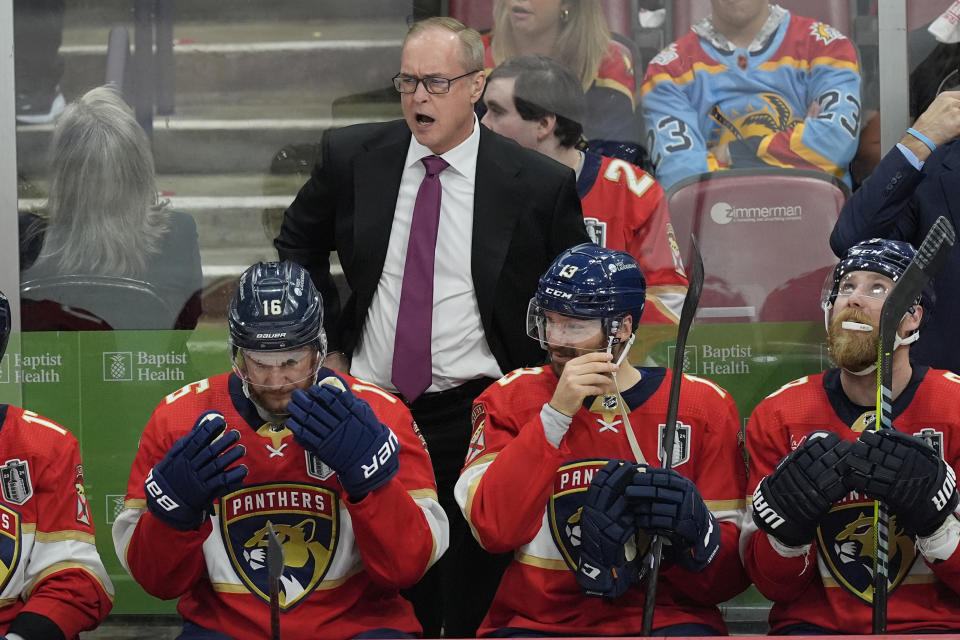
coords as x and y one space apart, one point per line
556 292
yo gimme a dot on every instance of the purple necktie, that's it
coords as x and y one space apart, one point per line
412 369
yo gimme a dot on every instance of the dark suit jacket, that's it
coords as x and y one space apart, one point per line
526 211
901 203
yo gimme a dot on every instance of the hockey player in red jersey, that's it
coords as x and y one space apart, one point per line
817 465
539 102
337 467
53 582
564 460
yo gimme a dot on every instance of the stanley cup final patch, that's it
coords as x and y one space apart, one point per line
306 520
15 481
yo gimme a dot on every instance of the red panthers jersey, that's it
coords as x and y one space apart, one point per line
625 209
521 494
344 561
831 586
49 563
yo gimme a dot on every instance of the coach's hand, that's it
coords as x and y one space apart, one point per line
905 473
790 502
197 470
343 431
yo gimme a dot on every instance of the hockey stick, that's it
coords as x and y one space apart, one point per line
274 569
928 260
670 428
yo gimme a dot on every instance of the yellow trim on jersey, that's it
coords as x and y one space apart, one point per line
616 86
423 493
709 383
924 578
135 503
28 527
806 65
724 505
6 602
228 587
63 566
811 156
683 78
660 306
543 563
488 457
60 536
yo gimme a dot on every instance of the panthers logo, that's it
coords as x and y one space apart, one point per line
9 543
306 520
846 542
762 116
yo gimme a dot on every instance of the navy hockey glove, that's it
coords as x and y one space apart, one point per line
905 473
790 502
197 469
344 432
667 503
608 562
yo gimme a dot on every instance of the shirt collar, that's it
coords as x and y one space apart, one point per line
705 29
462 158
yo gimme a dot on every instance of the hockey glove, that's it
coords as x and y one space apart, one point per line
197 469
667 503
343 431
608 562
790 502
904 472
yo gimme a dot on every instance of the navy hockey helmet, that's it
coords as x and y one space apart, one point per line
591 282
5 323
276 308
889 258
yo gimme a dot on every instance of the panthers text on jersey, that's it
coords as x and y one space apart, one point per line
49 563
831 586
344 561
794 102
521 494
624 208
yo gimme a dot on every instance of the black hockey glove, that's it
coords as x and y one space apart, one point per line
666 503
609 562
197 469
905 473
343 431
790 502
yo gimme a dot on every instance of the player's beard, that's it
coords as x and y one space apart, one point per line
564 354
850 349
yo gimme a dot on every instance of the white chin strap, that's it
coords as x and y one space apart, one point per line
859 326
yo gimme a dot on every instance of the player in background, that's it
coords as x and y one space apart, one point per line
752 85
553 475
538 101
336 466
816 466
53 582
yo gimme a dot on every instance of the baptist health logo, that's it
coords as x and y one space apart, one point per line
117 366
724 213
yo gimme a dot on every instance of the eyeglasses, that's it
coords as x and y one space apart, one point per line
433 84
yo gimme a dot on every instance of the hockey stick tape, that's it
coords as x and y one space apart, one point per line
333 381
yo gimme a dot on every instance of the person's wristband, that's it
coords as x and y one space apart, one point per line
922 138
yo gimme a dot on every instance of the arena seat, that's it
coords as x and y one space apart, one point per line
123 303
763 234
836 13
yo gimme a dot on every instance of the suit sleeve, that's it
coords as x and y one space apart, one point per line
721 479
568 228
506 453
400 528
307 235
777 577
883 206
67 584
137 534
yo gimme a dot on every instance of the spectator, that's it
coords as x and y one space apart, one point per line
817 465
103 217
38 65
752 85
538 102
297 458
911 187
54 583
505 212
577 437
574 32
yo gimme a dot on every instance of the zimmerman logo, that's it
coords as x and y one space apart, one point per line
724 213
117 366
